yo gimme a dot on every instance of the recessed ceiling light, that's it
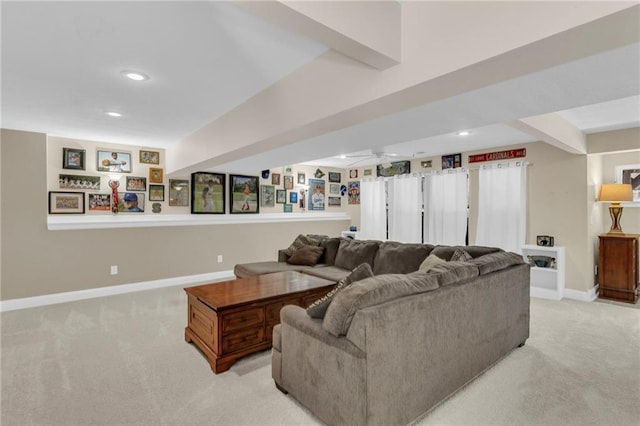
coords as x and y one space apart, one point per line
135 75
463 133
113 114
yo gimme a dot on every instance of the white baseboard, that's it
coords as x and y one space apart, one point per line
583 296
50 299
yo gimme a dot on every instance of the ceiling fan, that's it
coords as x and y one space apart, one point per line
379 156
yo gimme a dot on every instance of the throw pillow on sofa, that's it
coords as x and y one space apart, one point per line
306 255
301 240
318 308
352 253
431 261
460 255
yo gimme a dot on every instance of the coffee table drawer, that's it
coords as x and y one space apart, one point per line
203 322
242 339
243 319
273 309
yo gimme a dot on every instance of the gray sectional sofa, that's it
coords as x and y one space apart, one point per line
392 346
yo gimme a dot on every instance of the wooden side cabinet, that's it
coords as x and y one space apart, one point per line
618 267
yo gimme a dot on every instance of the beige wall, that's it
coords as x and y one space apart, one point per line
36 261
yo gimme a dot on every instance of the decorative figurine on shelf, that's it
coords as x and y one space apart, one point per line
302 193
114 184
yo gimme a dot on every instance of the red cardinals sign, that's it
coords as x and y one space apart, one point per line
500 155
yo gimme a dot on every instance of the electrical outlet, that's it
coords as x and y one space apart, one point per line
219 258
114 269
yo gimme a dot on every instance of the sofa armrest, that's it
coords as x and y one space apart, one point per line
282 255
296 317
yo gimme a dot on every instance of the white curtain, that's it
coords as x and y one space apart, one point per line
502 206
445 207
373 210
405 208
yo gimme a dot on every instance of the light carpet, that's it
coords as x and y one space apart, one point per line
122 360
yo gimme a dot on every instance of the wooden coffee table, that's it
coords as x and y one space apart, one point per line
231 319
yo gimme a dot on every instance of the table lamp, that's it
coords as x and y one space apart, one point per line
615 193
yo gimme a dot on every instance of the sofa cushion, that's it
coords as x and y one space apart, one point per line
431 261
330 246
399 258
243 270
318 308
301 240
306 255
460 255
453 272
496 261
370 292
352 253
445 252
332 273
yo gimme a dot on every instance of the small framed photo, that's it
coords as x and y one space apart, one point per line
334 188
243 194
155 175
130 202
630 173
281 196
275 179
99 202
73 158
207 193
335 201
114 161
179 192
334 177
156 192
293 197
287 208
136 183
288 182
79 182
149 157
66 202
267 195
301 178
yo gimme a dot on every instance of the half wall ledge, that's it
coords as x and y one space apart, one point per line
64 223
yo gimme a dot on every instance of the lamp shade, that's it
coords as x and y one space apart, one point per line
615 192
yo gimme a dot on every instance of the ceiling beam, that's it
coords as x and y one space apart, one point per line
366 31
554 130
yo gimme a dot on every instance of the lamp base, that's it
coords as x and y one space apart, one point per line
615 211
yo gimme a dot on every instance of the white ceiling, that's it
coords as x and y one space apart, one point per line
61 65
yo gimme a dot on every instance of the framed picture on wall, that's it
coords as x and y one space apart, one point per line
156 175
79 182
130 202
66 202
156 192
149 157
281 196
316 194
630 174
288 182
243 194
275 178
114 161
334 177
99 202
136 183
301 178
179 192
267 195
207 193
73 158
